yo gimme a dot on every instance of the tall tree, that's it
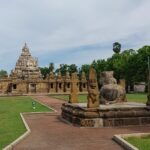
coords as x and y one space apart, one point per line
116 47
85 68
44 71
72 68
3 74
51 67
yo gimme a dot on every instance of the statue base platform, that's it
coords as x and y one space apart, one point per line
112 115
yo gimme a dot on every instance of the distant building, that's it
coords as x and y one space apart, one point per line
139 87
27 78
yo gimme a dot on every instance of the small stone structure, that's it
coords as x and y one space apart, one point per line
67 82
52 82
93 91
83 82
110 91
74 89
139 87
26 78
60 83
110 115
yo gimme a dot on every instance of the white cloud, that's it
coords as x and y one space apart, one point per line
55 26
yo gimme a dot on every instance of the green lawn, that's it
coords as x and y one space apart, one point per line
11 125
138 97
82 98
141 143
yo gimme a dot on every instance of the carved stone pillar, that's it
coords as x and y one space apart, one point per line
93 92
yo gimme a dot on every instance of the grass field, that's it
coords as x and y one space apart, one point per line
137 97
11 125
141 143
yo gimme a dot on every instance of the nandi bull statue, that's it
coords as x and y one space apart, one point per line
110 91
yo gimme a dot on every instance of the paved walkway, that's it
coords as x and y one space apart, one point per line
48 132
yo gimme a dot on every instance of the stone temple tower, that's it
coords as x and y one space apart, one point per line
26 66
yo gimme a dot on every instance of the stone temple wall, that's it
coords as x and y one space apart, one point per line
27 78
38 86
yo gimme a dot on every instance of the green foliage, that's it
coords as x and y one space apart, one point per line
81 98
51 67
116 47
3 74
45 71
72 68
64 68
11 125
137 97
85 68
130 65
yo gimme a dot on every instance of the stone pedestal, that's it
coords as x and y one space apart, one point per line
119 114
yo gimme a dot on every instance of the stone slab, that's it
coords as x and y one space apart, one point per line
120 114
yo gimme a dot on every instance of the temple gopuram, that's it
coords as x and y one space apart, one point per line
26 78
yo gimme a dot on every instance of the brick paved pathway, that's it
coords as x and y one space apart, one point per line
48 132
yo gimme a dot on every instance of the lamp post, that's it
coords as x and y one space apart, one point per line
33 104
148 95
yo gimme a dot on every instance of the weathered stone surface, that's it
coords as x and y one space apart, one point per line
51 75
74 89
107 77
110 91
67 85
93 92
60 83
119 114
122 82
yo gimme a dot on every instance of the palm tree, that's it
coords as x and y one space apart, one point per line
116 47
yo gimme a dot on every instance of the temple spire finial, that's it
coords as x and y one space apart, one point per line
25 45
25 48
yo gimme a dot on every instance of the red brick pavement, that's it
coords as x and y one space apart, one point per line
48 132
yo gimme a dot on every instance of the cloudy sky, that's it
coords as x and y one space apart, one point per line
71 31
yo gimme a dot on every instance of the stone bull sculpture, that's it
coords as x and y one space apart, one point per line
110 91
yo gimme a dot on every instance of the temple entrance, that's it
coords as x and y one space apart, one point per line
32 88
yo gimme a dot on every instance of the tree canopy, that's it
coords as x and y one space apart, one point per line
3 74
130 65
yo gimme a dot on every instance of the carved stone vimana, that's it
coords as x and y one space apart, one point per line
26 66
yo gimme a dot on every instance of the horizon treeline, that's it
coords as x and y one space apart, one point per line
131 65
